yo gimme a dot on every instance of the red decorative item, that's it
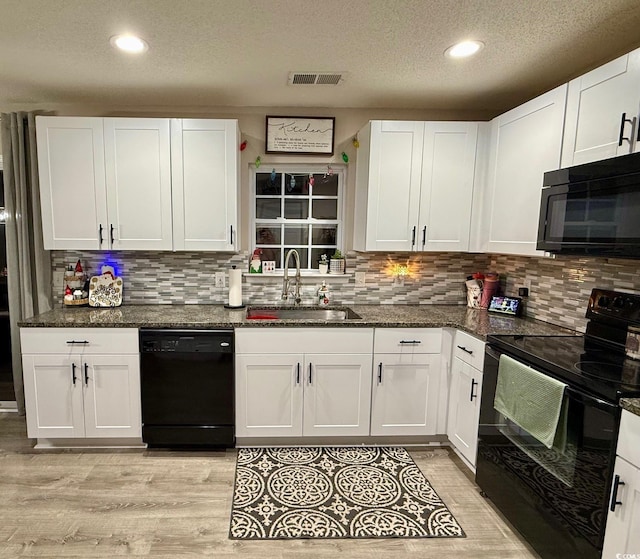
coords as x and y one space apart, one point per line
243 145
78 267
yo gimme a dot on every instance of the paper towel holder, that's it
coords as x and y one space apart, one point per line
242 306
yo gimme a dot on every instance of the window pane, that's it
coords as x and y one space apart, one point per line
303 252
272 254
316 252
268 235
267 208
325 209
324 234
265 184
296 184
296 234
296 209
325 185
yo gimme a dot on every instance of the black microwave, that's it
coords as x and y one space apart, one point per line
592 209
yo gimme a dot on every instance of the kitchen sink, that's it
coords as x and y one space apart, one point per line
301 313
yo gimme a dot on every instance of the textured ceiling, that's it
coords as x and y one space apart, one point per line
208 53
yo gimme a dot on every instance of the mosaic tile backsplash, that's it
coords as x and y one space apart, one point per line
559 288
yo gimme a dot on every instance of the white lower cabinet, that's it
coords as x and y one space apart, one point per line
73 390
406 381
464 395
622 538
283 394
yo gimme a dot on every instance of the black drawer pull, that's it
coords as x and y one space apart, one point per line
78 342
614 493
469 351
410 342
86 374
380 373
473 385
74 378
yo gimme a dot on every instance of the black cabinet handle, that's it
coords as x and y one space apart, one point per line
473 385
100 239
623 121
111 232
231 230
298 374
78 342
469 351
413 236
86 374
614 493
380 373
410 342
424 236
310 373
74 378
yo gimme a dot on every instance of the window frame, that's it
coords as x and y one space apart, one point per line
298 169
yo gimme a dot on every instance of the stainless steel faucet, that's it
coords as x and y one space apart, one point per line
285 279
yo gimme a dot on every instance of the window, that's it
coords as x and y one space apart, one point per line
297 207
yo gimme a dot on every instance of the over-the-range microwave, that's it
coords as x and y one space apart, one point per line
592 209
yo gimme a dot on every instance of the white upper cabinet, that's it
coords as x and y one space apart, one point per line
72 182
138 174
138 183
602 112
525 143
205 171
414 184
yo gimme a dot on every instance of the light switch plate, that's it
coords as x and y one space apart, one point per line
220 279
361 278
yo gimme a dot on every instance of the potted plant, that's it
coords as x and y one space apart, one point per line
337 264
323 264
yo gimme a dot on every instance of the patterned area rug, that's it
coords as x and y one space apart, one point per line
342 492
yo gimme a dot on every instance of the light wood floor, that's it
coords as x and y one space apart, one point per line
169 505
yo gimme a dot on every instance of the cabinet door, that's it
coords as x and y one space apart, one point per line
525 143
53 396
448 167
138 173
405 394
395 162
204 169
595 104
464 408
269 395
337 396
72 182
112 396
622 536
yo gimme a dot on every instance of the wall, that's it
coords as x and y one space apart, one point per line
560 287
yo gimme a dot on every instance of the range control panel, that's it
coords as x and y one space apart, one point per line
614 305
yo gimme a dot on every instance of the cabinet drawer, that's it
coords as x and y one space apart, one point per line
304 340
98 340
408 340
629 438
469 349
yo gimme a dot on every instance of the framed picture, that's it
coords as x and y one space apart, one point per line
300 134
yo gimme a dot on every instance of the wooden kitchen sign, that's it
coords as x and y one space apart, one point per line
300 135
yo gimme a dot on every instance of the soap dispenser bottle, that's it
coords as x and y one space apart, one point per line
323 295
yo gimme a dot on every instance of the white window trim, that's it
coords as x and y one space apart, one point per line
297 168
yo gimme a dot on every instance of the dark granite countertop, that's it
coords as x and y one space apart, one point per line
631 404
475 321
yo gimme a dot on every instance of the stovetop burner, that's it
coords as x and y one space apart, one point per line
625 374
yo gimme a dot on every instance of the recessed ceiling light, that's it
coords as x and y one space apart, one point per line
464 49
129 43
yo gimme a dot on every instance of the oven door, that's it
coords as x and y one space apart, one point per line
555 497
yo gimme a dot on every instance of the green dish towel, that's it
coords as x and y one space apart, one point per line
531 400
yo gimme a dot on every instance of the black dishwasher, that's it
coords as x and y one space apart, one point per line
187 386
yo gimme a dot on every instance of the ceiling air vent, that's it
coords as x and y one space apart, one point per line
316 78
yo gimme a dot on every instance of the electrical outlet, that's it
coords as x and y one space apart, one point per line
220 279
58 279
361 278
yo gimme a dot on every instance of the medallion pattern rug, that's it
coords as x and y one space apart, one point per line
345 492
